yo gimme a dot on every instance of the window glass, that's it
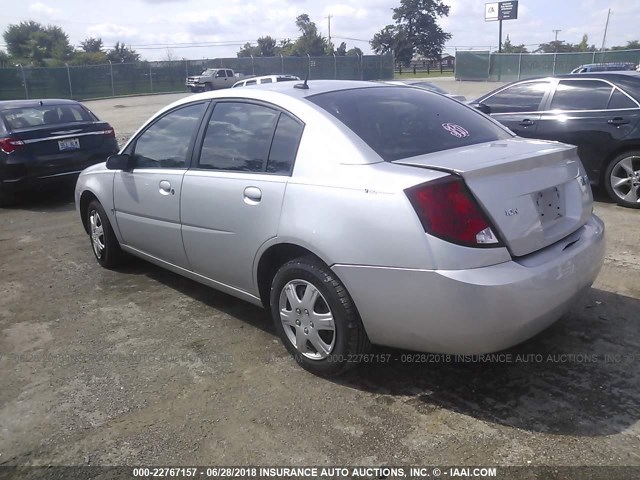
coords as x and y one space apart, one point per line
165 144
250 82
17 118
238 137
620 100
229 73
581 95
266 80
524 97
284 147
286 79
400 122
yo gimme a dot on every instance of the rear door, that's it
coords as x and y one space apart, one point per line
517 106
232 198
147 198
592 114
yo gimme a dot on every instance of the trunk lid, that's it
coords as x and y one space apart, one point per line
64 147
535 192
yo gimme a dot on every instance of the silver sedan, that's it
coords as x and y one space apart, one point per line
356 213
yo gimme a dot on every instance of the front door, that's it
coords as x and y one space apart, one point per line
147 198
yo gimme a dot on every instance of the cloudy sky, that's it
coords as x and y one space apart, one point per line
161 29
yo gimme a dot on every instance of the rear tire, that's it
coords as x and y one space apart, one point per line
104 244
316 318
622 179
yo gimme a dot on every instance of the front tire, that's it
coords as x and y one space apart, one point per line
208 87
316 318
622 179
104 243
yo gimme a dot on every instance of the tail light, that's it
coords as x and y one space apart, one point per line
10 144
110 133
447 210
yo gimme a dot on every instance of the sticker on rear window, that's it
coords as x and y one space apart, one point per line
455 130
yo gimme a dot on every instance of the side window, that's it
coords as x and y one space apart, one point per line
284 147
620 100
581 95
524 97
238 137
230 73
165 144
250 82
266 80
220 74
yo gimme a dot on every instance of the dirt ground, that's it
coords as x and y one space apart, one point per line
142 366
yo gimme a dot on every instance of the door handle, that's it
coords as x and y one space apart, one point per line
527 123
617 121
252 195
165 188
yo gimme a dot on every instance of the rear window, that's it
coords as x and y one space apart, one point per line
17 118
398 122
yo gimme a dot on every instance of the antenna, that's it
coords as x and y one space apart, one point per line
304 85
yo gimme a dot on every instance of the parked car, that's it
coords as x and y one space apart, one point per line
598 112
356 213
265 79
213 78
44 141
420 83
604 67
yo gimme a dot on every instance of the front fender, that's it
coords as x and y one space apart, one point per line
100 185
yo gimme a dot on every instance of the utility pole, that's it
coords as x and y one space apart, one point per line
555 42
556 32
606 27
329 22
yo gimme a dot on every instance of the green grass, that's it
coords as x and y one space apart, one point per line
408 74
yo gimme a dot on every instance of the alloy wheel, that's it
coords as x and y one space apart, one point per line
625 179
97 234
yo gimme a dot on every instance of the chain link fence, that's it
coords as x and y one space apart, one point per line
508 67
119 79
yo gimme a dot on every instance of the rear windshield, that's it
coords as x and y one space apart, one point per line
17 118
399 122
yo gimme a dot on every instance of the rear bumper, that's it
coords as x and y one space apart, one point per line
24 173
479 310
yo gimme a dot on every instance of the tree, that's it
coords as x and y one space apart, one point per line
4 59
248 50
508 47
266 46
341 51
92 45
310 42
416 31
631 45
122 54
354 52
394 39
30 42
555 46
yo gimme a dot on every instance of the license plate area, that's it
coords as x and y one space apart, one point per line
69 144
551 205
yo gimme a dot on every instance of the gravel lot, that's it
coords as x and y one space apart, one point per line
142 366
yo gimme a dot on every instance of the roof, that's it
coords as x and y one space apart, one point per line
288 88
10 104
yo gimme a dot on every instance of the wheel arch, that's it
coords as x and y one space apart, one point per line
627 147
273 257
85 199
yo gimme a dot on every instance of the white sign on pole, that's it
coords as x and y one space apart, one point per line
491 12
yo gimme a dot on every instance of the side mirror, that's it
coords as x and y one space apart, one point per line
119 162
486 109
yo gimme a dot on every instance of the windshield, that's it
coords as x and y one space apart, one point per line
208 72
400 122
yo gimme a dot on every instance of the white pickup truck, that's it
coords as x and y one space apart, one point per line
213 78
